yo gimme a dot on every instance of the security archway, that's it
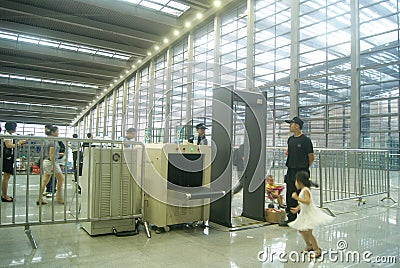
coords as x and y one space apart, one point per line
221 169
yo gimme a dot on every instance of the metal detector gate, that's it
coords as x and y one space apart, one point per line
221 169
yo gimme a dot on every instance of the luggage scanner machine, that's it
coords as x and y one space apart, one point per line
177 184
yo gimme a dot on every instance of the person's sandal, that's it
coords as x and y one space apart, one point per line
60 201
307 250
316 254
7 200
38 202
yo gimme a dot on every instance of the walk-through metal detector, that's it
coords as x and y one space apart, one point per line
221 167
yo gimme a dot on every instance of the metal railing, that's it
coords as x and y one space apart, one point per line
106 190
341 174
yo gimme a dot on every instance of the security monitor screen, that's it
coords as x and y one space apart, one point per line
185 170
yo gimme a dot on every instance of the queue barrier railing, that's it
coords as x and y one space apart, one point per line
81 204
341 174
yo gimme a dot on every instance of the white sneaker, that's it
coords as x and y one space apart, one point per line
50 195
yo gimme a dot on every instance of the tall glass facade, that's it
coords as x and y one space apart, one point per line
307 60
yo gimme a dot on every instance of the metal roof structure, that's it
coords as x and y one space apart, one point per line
56 56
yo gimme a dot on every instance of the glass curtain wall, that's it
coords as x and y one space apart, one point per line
324 71
118 113
379 74
203 70
109 116
179 88
160 77
100 128
324 59
234 41
130 102
93 123
143 105
272 64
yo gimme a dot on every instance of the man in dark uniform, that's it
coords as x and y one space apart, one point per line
300 156
201 135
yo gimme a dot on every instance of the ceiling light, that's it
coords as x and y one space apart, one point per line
176 32
105 90
217 3
111 85
127 71
115 80
187 24
156 47
133 66
139 61
149 53
199 15
120 76
166 40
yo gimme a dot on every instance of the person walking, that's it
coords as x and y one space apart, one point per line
300 156
51 165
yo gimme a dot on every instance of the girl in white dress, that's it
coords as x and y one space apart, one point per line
310 216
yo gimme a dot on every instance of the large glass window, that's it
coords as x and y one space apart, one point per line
272 64
160 78
130 109
100 129
109 116
324 71
203 68
179 88
143 109
379 74
118 113
234 43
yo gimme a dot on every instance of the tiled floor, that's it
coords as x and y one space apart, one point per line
372 227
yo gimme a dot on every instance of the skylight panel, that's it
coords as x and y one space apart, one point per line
69 46
87 50
28 39
177 5
7 35
151 5
166 6
171 11
122 57
63 45
33 79
133 1
49 43
17 77
105 53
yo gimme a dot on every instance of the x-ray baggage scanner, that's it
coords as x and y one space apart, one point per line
110 195
177 184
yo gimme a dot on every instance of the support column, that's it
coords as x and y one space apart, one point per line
250 46
217 44
355 126
189 115
124 105
294 58
151 99
114 111
168 85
